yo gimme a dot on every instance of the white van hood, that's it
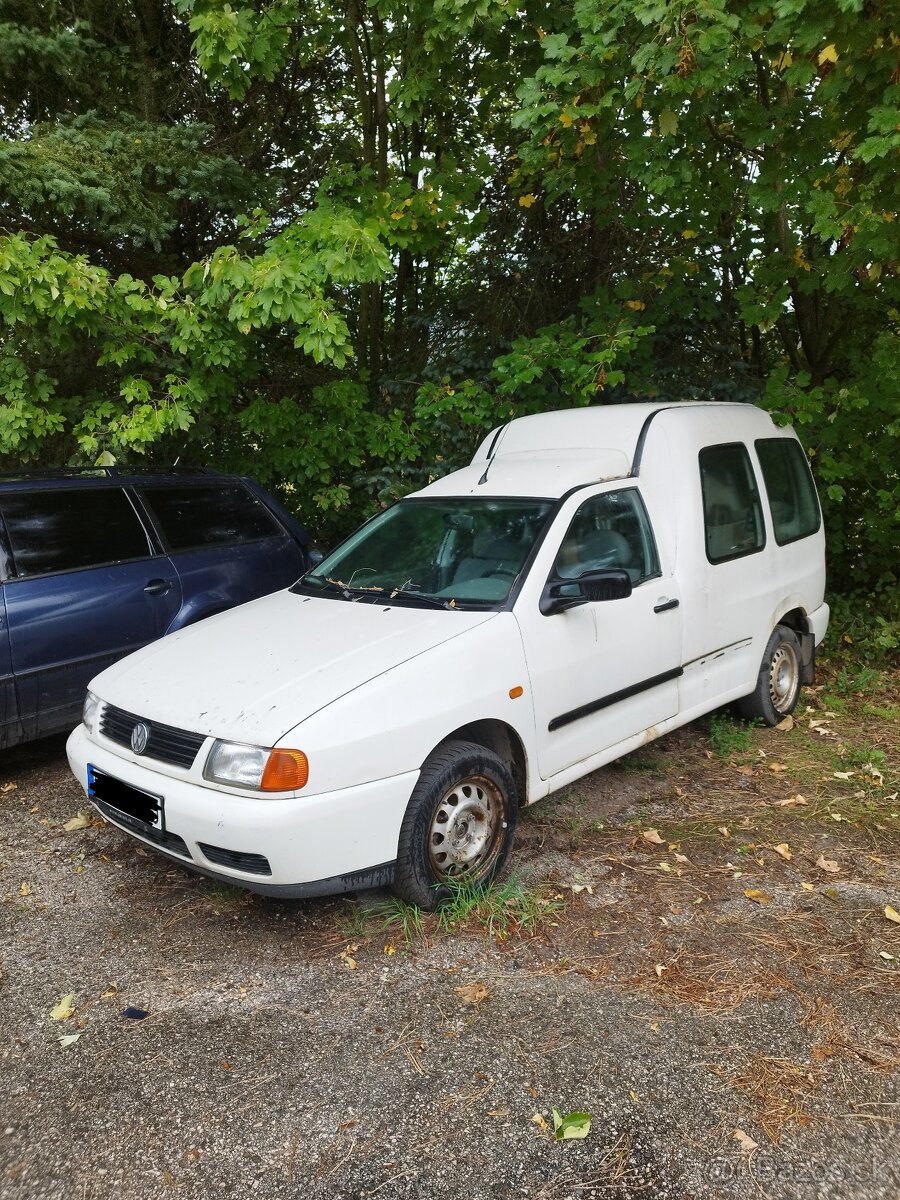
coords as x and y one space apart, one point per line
253 673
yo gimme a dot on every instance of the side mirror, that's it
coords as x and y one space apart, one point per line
589 588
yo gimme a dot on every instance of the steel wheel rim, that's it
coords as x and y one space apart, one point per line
784 678
464 837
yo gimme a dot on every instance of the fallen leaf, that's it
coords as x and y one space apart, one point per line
748 770
777 767
659 968
472 993
347 956
634 1096
784 850
9 787
875 774
791 801
843 774
64 1009
68 1039
827 864
786 724
681 858
757 896
654 1025
891 913
887 957
390 949
572 1125
664 866
112 990
747 1143
836 816
498 1112
539 1120
808 887
24 888
650 835
80 821
723 829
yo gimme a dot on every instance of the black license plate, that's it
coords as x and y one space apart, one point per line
142 806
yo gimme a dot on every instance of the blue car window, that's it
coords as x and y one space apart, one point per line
192 517
64 530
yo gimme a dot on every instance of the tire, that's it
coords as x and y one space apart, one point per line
458 826
778 683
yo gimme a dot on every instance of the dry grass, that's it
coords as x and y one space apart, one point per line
777 1088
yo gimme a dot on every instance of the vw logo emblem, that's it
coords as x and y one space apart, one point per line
140 735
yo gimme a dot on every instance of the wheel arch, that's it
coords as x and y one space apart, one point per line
503 741
795 619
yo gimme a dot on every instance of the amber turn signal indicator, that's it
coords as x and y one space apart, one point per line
515 693
285 771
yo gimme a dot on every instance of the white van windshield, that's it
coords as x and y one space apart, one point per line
443 552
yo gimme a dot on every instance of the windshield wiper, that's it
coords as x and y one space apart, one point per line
424 597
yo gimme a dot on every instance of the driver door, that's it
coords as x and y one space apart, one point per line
602 672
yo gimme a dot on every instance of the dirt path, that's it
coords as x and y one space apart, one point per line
695 951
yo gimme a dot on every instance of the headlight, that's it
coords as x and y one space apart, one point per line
257 767
90 711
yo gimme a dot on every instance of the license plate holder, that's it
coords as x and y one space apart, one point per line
142 806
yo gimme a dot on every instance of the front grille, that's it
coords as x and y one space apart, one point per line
253 864
166 841
168 745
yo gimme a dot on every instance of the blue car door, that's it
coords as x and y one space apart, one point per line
10 731
86 588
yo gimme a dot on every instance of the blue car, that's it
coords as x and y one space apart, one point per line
95 565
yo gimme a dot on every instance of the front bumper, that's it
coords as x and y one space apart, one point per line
313 846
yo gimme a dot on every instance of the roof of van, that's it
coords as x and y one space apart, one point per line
546 454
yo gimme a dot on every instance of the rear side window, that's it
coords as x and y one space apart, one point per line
732 512
789 485
65 530
192 517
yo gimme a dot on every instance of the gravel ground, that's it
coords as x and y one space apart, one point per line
297 1050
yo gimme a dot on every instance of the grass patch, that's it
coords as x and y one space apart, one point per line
502 910
728 737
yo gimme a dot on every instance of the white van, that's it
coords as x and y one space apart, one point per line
591 580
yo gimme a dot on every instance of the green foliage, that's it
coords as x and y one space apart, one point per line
335 244
728 737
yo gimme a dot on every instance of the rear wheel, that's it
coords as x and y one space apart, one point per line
778 683
458 826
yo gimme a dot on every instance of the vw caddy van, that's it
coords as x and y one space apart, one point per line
592 579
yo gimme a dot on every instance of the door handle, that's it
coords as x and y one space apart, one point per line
158 587
665 605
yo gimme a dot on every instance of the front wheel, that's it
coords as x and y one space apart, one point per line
778 683
458 826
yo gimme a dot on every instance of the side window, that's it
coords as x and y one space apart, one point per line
192 517
789 485
609 531
732 512
61 530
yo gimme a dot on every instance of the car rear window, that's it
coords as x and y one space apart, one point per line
65 530
792 494
192 517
